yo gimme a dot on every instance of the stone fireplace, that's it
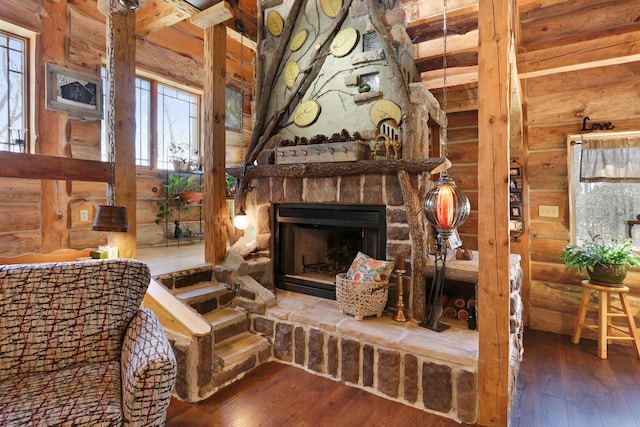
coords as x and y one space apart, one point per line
370 207
314 242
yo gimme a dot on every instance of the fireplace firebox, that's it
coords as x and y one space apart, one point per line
314 242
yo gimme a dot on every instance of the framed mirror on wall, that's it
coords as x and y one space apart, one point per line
604 185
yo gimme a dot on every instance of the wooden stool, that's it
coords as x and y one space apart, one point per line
604 324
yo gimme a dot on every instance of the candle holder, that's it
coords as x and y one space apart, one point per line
400 316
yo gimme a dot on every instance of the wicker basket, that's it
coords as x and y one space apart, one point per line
361 298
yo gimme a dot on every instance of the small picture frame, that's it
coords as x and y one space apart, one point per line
78 94
515 197
515 171
515 184
516 225
516 211
234 109
454 240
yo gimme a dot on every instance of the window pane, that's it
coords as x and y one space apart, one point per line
143 108
603 208
13 125
177 124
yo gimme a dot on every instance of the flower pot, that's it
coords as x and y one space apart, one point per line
180 165
191 197
609 274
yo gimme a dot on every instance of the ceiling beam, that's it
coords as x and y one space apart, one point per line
604 51
214 15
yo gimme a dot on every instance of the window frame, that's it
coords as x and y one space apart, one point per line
31 46
573 139
155 81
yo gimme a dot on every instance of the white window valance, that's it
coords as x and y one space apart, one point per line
610 159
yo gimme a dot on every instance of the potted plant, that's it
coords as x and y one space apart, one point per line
231 185
179 156
606 261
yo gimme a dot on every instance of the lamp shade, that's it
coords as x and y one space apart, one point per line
111 218
241 220
445 206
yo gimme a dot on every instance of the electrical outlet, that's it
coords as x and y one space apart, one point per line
84 215
548 211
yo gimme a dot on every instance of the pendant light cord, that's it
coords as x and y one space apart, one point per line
111 197
444 89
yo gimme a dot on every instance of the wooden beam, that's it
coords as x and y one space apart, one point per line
516 141
51 130
216 14
154 15
617 49
458 22
124 124
494 86
35 166
215 206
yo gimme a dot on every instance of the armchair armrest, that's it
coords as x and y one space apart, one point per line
148 367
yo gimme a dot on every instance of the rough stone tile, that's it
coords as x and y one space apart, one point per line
350 360
277 189
320 190
263 225
205 359
182 356
316 350
263 326
223 377
437 390
392 190
388 372
300 342
455 345
350 189
410 378
466 396
382 331
293 190
367 365
372 189
283 341
397 215
332 356
398 232
288 303
318 317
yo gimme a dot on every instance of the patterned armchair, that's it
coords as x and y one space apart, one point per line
77 349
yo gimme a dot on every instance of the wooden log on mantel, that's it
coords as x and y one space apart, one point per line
359 167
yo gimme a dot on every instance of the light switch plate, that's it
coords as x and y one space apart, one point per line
84 215
548 211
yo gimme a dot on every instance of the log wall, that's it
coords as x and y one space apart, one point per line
175 53
554 108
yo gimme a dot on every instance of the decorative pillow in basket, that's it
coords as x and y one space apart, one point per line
363 290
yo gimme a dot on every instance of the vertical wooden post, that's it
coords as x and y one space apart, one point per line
124 75
215 207
495 23
52 130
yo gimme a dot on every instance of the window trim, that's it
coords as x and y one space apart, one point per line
573 139
32 39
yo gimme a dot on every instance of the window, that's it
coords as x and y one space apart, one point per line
601 208
178 123
177 120
13 95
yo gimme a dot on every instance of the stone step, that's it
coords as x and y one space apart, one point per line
240 348
202 291
226 323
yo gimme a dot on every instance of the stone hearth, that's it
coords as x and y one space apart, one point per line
435 372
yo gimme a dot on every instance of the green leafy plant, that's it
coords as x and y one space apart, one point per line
178 151
164 211
230 184
596 250
176 185
181 183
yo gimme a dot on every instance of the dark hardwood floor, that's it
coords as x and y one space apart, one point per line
560 384
563 384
